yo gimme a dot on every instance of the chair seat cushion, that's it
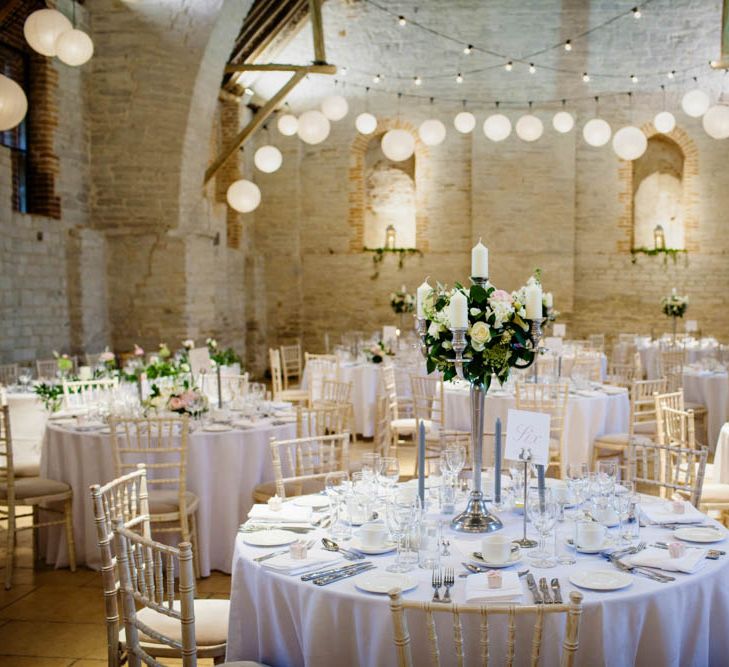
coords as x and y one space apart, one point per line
262 492
35 487
408 425
27 468
621 439
168 501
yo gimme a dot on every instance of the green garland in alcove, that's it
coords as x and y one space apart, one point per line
673 253
378 256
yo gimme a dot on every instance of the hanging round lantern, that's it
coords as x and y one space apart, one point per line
529 128
313 127
244 196
13 104
43 27
74 47
629 143
288 125
596 132
563 122
398 145
432 132
464 122
365 123
716 121
664 122
497 127
335 107
695 103
268 159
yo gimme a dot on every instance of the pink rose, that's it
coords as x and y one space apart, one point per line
176 403
138 351
501 295
105 357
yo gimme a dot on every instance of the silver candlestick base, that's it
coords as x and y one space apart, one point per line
421 329
535 335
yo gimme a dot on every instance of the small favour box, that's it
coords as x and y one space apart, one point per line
298 550
678 507
494 579
275 503
676 549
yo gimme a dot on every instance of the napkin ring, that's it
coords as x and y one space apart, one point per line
676 549
678 507
298 550
275 503
494 579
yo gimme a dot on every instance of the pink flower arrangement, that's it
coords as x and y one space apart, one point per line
105 357
138 351
500 295
175 403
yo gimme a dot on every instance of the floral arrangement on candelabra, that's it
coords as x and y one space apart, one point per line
107 359
182 399
64 363
674 306
377 353
222 357
402 301
51 395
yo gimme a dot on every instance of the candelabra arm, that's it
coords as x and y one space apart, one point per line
459 345
421 329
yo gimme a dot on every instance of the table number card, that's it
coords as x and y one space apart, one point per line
199 361
527 430
559 330
389 334
553 344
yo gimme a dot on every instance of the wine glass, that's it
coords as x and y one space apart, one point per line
607 474
399 515
542 511
389 473
371 462
625 504
336 485
455 458
25 375
578 475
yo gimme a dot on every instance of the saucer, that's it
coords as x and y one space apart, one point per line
607 544
315 501
385 548
601 580
696 534
514 558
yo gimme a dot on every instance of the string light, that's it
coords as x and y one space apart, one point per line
467 50
509 66
713 64
568 45
532 69
417 81
459 78
671 74
343 71
634 78
636 13
376 78
585 77
401 20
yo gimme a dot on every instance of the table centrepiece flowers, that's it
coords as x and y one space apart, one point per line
674 306
377 353
402 301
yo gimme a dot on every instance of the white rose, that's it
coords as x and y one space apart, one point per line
480 335
475 312
434 329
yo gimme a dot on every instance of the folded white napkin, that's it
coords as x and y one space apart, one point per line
287 514
477 588
662 512
692 560
314 560
611 389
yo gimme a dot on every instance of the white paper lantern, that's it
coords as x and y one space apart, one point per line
74 47
716 121
288 125
464 122
365 123
43 27
695 103
268 159
13 104
432 132
335 107
563 122
596 132
497 127
629 143
244 196
313 127
398 145
664 121
529 128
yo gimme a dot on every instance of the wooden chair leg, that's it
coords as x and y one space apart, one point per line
70 542
195 544
35 534
10 555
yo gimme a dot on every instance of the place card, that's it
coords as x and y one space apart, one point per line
199 360
527 431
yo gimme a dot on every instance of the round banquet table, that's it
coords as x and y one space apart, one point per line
279 620
650 353
222 470
721 457
711 389
590 413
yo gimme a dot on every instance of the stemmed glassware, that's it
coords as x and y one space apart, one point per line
626 508
400 514
389 473
25 375
578 478
371 465
542 511
336 486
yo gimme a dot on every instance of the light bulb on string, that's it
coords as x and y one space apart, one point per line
459 78
464 121
343 71
585 77
467 49
713 64
563 121
376 78
671 74
417 81
634 78
596 131
497 127
568 45
636 12
402 21
664 121
509 66
532 69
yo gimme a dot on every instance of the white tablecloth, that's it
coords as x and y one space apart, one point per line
711 390
695 351
280 620
222 470
721 457
587 417
28 422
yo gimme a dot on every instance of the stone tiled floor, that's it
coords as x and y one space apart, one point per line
55 618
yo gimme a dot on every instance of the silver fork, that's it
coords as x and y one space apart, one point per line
437 583
449 579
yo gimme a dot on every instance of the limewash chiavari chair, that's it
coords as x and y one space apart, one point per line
322 420
552 400
642 425
587 365
277 386
161 444
179 625
382 437
320 367
673 469
82 393
452 615
671 399
46 369
9 374
292 364
596 342
621 375
29 492
338 394
399 425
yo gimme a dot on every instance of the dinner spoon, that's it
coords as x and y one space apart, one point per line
330 545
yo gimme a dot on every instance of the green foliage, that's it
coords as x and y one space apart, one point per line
378 256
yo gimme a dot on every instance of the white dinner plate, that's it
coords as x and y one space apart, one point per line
383 582
515 557
607 544
315 501
217 428
601 580
385 548
89 427
699 534
270 538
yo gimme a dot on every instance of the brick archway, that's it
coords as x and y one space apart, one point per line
357 190
626 173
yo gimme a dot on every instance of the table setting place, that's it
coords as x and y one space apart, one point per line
594 534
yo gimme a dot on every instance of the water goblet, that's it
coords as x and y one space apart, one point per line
389 473
399 516
542 511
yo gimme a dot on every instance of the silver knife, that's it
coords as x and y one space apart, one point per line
328 571
330 579
544 589
533 588
557 591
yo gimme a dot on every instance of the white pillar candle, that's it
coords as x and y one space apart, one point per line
84 373
533 301
422 293
480 261
458 311
548 299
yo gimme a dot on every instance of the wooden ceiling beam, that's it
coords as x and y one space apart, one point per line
724 60
7 9
317 31
273 67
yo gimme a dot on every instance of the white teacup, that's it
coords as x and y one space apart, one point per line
372 534
220 415
496 549
589 535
